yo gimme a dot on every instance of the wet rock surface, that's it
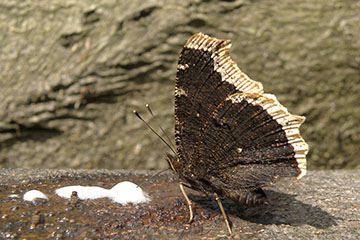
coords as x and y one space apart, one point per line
322 205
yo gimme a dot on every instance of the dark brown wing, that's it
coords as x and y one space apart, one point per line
229 133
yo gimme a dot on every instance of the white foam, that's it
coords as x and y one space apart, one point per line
128 192
83 192
34 194
14 196
123 193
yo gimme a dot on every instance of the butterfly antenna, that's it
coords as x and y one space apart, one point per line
152 176
151 129
159 172
157 123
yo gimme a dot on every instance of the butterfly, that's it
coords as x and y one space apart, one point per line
232 139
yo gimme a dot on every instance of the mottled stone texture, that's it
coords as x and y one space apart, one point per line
71 72
323 205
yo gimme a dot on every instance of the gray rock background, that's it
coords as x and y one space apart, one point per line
71 72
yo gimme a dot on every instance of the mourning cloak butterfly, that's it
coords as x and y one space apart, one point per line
232 139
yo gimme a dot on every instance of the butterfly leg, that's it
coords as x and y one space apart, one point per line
223 213
182 184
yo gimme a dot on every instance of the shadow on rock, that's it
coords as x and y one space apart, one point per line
281 209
